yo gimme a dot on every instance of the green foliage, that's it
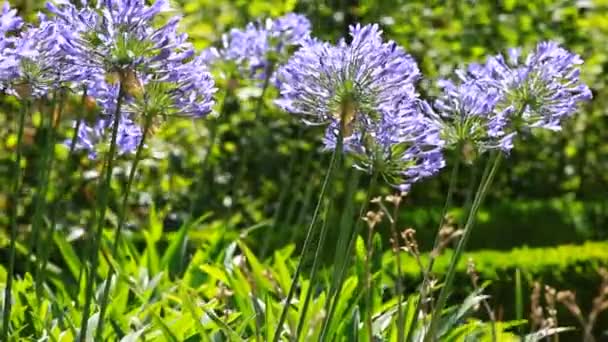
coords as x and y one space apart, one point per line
226 293
563 267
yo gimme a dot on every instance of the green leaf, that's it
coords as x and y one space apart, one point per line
68 254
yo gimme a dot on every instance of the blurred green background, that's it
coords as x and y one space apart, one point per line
553 190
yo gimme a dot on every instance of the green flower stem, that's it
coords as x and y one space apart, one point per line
494 161
14 213
55 209
328 178
369 303
100 211
48 159
330 306
427 273
121 222
317 260
398 285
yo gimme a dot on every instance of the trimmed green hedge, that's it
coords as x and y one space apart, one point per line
567 267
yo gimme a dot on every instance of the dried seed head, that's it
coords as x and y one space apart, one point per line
373 218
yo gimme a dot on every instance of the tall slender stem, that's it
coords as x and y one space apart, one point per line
427 273
317 259
58 199
40 207
102 204
121 222
14 213
398 285
479 197
328 177
330 306
369 303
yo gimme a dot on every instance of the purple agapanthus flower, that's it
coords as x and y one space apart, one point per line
123 51
467 113
489 104
368 72
9 23
264 44
405 146
545 88
96 137
121 35
118 41
41 66
364 90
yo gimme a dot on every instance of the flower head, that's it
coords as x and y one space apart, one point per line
545 88
263 44
41 65
186 89
364 90
127 53
468 117
96 137
9 22
120 36
489 104
404 146
321 80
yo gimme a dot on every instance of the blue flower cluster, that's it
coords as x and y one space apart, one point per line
362 88
489 104
113 48
365 92
9 23
263 45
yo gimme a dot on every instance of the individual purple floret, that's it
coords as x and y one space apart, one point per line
263 45
9 21
365 91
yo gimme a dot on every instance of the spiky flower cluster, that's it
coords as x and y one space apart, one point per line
125 50
9 22
90 137
544 88
364 90
469 116
491 103
263 45
31 62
